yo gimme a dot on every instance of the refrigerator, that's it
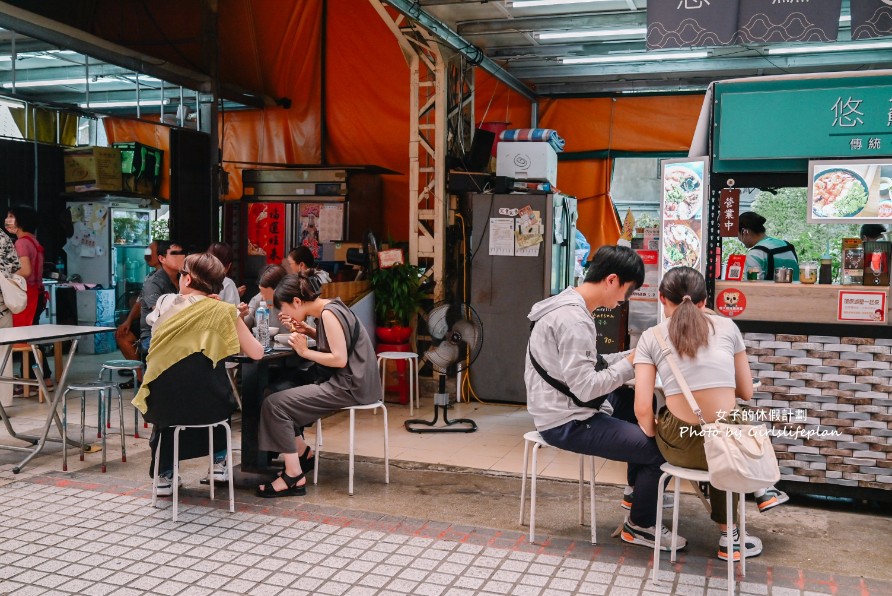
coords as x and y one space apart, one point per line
522 251
108 248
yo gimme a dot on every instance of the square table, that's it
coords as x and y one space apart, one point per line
35 335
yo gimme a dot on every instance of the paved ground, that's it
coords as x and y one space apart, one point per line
91 533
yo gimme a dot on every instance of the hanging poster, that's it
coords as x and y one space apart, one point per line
764 21
850 191
871 18
730 212
309 226
331 222
691 23
682 206
266 231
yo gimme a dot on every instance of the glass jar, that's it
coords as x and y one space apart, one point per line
808 272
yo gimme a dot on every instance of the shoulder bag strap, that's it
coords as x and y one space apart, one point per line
679 378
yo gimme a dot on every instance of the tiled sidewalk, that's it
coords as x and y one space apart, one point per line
60 535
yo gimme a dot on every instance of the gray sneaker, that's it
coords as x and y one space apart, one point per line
633 534
221 471
165 484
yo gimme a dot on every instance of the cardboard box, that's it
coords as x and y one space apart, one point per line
527 161
92 168
141 166
96 305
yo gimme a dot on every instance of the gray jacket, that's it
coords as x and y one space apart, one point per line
563 343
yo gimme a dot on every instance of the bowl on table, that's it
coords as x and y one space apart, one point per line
281 339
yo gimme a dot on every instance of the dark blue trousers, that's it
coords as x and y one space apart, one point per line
619 438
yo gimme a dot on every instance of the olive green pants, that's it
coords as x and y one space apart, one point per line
682 445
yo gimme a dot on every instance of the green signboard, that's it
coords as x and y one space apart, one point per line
779 126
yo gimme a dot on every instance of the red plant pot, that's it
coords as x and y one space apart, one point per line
393 335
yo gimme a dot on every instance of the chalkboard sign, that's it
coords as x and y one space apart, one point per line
613 328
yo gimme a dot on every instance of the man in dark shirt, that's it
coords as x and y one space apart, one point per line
164 281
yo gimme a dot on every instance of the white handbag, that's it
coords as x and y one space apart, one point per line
740 457
15 292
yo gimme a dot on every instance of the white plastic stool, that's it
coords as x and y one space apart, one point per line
412 359
176 463
100 387
132 365
537 441
353 409
696 476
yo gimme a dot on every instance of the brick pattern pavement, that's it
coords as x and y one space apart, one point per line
64 534
844 385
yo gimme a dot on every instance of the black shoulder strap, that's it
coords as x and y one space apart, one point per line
595 404
787 247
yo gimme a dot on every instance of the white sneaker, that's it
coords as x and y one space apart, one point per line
645 536
753 546
221 471
628 499
165 485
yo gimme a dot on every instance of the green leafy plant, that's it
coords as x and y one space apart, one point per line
161 229
397 294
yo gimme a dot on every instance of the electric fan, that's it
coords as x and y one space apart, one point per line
456 336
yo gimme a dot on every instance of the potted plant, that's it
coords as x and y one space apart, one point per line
397 297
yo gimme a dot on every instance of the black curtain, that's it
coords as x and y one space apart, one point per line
33 175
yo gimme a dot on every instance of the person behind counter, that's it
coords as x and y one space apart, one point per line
764 252
872 232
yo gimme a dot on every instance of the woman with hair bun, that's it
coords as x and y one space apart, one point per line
343 348
710 353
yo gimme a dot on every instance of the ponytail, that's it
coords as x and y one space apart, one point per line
689 326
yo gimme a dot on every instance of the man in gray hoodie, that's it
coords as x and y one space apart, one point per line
572 392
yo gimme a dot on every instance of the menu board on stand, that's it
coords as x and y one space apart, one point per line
684 204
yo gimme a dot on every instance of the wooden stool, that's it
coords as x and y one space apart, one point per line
25 351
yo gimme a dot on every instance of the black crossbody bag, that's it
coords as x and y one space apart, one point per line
600 365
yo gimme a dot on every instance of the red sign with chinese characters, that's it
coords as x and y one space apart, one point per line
730 302
266 231
729 212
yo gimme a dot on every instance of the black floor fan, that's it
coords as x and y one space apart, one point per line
456 336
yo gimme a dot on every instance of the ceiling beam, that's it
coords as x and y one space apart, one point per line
600 20
412 10
67 37
679 68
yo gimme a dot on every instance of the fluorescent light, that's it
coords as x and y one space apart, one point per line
845 19
531 3
593 33
125 104
650 57
103 80
832 47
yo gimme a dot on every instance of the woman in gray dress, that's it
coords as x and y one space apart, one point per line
343 350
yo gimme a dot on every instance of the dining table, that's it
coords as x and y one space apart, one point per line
35 335
255 466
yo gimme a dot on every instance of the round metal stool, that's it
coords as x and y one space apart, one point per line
412 359
132 365
101 388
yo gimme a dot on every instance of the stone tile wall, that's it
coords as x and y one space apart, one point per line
844 384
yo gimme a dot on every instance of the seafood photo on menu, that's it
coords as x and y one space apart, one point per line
682 193
838 192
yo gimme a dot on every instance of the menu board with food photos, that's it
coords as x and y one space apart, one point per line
683 213
850 191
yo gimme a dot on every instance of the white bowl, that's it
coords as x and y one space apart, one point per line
273 331
282 339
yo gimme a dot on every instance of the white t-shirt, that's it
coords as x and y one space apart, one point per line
712 367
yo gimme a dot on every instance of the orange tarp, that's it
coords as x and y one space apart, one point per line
664 123
274 46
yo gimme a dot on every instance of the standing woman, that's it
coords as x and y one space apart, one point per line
763 251
343 346
22 222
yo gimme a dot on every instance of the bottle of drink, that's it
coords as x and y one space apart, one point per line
261 315
825 274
